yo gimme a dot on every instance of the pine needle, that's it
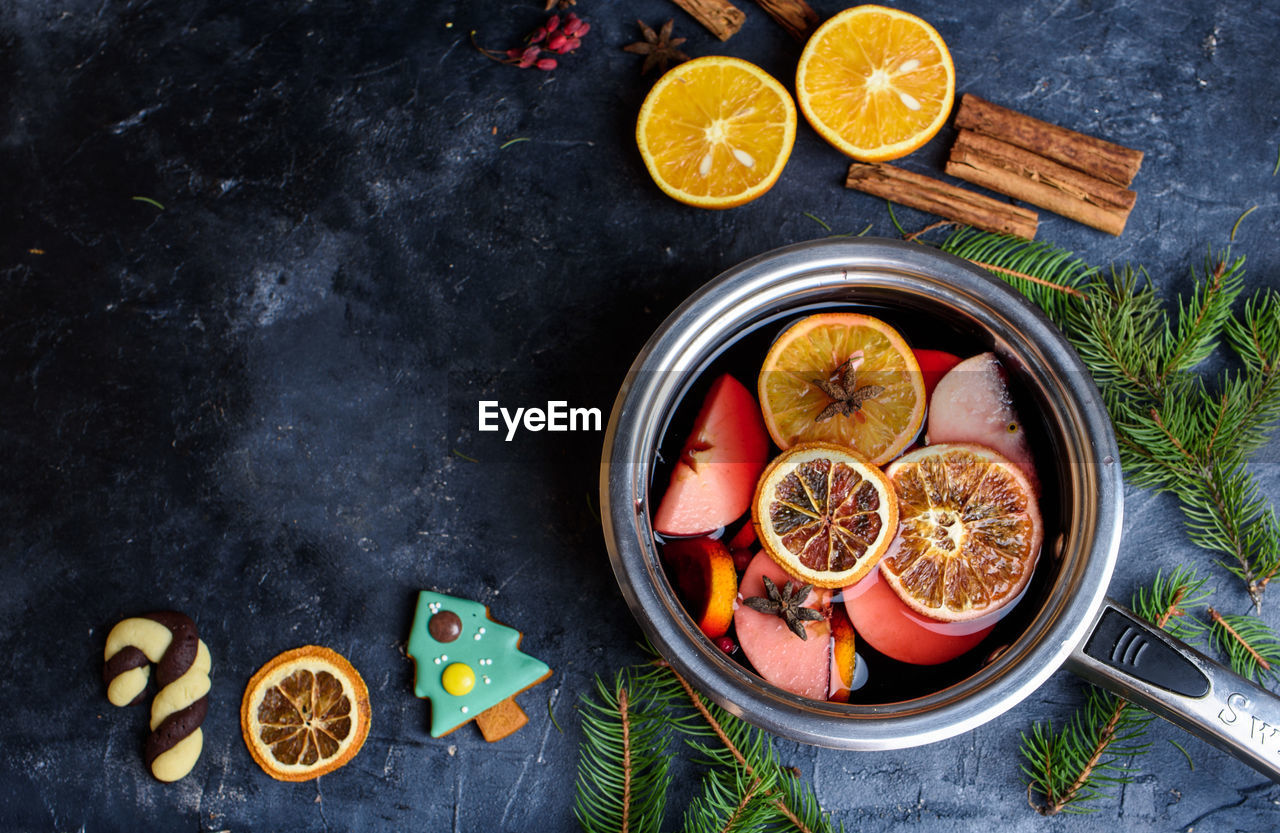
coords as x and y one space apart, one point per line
817 220
1236 227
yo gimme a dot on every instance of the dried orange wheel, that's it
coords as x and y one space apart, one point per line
305 713
716 132
875 82
844 378
969 531
824 514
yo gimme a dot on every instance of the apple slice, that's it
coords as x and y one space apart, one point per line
744 538
895 630
972 404
715 477
821 665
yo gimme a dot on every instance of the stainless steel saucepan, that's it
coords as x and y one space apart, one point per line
1075 625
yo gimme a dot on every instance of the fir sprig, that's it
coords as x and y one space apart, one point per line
1069 769
622 784
1046 274
1254 649
624 768
1176 432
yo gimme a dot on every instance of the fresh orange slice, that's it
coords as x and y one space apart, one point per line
969 531
875 82
305 713
844 378
716 132
824 514
706 577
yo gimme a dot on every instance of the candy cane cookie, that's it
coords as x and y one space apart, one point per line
169 641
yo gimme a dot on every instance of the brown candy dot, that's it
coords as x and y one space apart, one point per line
445 626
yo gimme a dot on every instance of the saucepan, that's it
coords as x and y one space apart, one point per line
1070 623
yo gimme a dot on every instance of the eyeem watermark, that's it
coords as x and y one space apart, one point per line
556 417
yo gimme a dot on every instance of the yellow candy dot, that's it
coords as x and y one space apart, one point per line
458 679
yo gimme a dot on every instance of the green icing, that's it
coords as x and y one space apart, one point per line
488 647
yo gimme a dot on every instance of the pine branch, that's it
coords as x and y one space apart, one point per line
1201 318
1076 766
1175 434
1049 276
623 772
722 729
1253 648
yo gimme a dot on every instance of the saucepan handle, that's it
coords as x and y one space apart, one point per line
1148 667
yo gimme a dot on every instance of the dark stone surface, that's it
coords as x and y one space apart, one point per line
253 405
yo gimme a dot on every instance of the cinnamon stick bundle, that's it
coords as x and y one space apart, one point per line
945 200
1096 157
1026 176
721 17
796 16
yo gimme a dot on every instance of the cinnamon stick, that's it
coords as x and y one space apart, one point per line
720 16
1021 174
1096 157
945 200
796 16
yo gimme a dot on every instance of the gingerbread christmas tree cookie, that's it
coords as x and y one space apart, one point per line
469 666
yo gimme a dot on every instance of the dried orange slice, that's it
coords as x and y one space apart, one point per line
875 82
844 378
716 132
969 531
824 514
305 713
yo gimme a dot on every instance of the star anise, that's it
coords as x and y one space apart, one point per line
658 48
846 395
787 603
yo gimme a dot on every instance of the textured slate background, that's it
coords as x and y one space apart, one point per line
247 406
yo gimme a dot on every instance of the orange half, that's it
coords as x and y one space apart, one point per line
716 132
842 348
875 82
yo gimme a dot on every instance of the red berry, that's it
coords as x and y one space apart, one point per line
556 42
515 53
538 35
583 29
570 44
727 645
572 23
529 56
552 23
546 64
